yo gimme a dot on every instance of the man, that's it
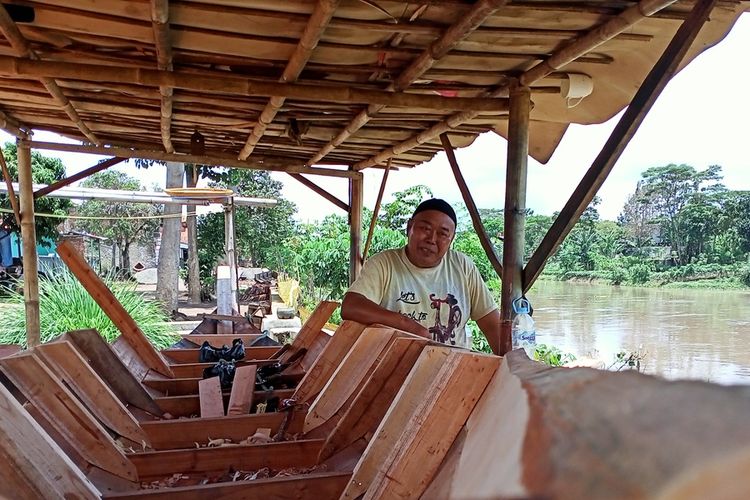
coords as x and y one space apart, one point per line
425 288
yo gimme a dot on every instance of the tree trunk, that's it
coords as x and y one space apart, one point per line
169 251
194 281
126 271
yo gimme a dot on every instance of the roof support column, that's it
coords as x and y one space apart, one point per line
28 237
375 212
515 209
355 227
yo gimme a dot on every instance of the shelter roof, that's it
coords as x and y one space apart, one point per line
356 82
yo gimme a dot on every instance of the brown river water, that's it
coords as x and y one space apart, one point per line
686 334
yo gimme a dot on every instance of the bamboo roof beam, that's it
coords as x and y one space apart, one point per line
19 67
21 47
580 46
102 165
436 51
12 126
316 25
271 164
160 22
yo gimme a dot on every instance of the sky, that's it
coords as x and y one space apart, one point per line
702 118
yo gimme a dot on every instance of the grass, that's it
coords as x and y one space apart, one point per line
64 305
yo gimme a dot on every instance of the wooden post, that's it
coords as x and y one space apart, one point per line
28 237
376 211
230 238
355 227
515 209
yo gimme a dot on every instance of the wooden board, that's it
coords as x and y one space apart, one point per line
378 393
217 340
192 370
66 414
419 428
241 400
309 331
112 308
335 351
131 359
111 369
315 349
189 405
70 367
212 403
315 486
184 433
179 356
32 465
354 368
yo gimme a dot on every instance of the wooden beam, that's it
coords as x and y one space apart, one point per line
102 165
212 402
22 48
322 192
112 308
626 128
241 399
514 214
9 185
188 405
20 67
316 25
28 238
355 227
210 159
186 355
438 49
600 34
13 127
310 331
160 25
375 212
476 220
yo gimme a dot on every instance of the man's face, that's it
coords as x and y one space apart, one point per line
430 235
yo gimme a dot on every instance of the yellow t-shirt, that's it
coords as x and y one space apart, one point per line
441 298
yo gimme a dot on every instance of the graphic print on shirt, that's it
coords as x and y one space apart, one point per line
444 333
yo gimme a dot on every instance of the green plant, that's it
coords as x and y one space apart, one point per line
639 274
551 355
745 275
64 305
478 340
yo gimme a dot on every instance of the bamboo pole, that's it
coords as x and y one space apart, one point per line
625 129
21 47
316 25
213 159
515 210
355 227
582 45
28 238
322 192
14 66
476 220
436 51
160 24
11 191
11 126
76 177
375 212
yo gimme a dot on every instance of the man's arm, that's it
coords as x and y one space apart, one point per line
490 326
357 307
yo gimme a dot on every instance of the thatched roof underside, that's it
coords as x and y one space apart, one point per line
361 46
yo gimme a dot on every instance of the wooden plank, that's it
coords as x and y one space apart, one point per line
320 372
313 486
377 395
189 405
188 386
212 403
130 358
217 339
184 433
354 368
112 308
160 464
111 369
314 351
419 428
241 400
179 356
32 465
193 370
66 413
309 331
70 367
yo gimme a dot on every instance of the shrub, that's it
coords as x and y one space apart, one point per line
551 355
745 275
64 305
639 274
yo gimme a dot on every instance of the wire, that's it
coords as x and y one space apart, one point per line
85 217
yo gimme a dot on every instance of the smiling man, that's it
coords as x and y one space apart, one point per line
425 288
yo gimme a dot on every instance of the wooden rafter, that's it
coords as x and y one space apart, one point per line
76 177
626 128
322 192
11 191
13 127
375 212
316 25
476 220
569 53
437 50
160 23
15 67
22 48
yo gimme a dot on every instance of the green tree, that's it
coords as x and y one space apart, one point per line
44 170
123 223
395 214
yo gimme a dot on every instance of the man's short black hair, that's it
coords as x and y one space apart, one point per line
440 206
